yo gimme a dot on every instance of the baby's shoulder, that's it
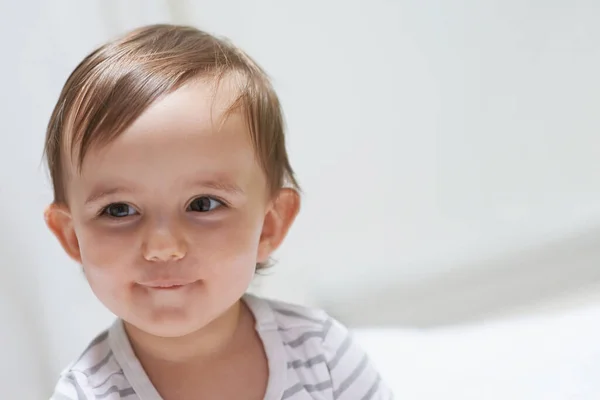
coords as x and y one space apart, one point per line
303 326
94 374
290 316
323 359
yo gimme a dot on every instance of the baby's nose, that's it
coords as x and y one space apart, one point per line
163 245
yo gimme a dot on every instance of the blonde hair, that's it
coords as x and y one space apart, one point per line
114 84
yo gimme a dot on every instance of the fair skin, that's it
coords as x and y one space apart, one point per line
168 222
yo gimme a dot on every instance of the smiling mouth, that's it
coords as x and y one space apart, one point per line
167 285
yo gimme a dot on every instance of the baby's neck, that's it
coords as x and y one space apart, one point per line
196 347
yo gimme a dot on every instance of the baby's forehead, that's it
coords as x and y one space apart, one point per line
174 145
207 98
182 147
201 109
198 108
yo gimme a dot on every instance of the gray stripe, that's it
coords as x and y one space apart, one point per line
352 377
318 387
306 364
307 335
339 353
120 372
373 389
78 389
299 341
291 391
92 370
126 392
114 389
327 327
290 313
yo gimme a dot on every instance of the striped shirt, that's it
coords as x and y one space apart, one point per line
310 356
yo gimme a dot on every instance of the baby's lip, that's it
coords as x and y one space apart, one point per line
167 283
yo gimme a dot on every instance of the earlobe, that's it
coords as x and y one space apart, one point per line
59 221
278 221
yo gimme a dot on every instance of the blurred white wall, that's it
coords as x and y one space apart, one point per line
448 152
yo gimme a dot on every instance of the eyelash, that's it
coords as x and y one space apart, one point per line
220 203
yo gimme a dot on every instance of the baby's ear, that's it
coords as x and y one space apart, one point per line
58 219
278 220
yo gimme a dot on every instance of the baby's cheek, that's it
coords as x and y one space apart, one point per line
104 249
229 245
109 278
229 262
106 258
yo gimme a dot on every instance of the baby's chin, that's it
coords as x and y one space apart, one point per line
169 322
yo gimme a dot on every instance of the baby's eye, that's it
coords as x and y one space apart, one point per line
118 210
204 204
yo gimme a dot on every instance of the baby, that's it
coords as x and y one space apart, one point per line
172 187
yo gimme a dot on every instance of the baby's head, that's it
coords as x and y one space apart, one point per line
172 184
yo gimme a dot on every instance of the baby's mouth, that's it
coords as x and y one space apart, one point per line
167 284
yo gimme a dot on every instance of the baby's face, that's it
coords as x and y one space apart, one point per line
168 217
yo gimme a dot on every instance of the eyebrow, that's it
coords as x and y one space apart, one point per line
103 191
224 186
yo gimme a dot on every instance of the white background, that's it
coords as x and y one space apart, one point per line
449 154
